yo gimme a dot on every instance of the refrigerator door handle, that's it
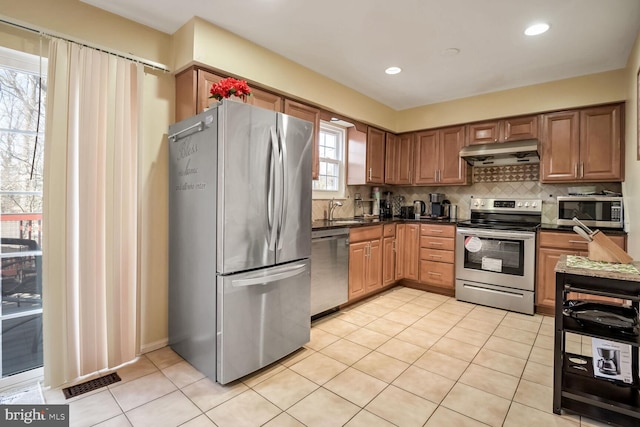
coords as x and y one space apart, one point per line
273 190
265 280
285 185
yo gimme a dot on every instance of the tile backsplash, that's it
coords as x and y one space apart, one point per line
462 195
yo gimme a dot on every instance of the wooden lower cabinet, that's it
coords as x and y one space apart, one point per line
411 251
437 245
365 261
400 250
388 254
551 245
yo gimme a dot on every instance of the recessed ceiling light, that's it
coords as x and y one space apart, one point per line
450 51
536 29
393 70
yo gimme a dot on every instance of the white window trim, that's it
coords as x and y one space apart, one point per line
342 188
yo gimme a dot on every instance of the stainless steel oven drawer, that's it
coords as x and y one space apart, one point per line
495 296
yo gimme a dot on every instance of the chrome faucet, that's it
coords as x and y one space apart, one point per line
332 205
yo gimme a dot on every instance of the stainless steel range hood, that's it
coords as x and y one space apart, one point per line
502 153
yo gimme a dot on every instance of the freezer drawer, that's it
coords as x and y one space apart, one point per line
262 316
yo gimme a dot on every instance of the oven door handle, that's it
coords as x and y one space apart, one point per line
473 232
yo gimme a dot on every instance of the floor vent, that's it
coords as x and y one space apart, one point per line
78 389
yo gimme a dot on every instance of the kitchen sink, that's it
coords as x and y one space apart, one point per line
346 221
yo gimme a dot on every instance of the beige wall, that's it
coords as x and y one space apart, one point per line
579 91
200 42
632 165
222 50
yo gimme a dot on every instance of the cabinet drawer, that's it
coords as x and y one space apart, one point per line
443 243
550 239
427 254
437 230
437 273
389 230
362 234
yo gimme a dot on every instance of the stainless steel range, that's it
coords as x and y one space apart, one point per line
495 253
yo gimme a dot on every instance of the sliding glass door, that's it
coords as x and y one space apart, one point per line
22 91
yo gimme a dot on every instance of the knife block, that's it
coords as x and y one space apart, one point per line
601 248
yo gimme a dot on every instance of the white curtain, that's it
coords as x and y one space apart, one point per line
90 248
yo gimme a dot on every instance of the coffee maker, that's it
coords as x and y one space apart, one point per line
386 205
435 205
609 363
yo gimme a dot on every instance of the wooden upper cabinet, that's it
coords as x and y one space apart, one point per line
484 132
193 87
375 155
510 129
366 161
267 100
601 147
453 169
518 128
437 157
399 160
583 145
560 146
427 154
312 114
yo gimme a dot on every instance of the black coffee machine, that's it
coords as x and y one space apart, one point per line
435 205
386 206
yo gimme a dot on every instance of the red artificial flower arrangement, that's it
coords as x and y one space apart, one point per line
230 86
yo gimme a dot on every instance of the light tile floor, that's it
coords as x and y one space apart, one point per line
404 358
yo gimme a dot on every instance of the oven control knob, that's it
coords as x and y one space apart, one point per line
526 204
519 204
534 204
475 204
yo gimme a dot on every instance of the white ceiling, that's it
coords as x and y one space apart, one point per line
353 41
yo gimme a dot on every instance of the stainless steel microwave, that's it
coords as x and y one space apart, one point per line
593 211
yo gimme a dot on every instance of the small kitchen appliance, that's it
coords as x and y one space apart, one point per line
600 211
406 212
435 205
612 360
608 364
386 205
419 208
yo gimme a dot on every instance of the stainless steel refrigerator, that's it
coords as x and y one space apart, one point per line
239 238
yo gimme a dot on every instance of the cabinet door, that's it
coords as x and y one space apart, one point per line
437 274
399 160
601 150
400 250
483 133
427 154
389 260
404 159
373 279
546 276
560 147
391 160
357 268
205 80
411 251
264 99
453 169
311 114
518 128
375 156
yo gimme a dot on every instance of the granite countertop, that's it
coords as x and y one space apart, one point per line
583 266
568 228
359 222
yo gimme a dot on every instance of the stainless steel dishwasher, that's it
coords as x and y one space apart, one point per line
329 269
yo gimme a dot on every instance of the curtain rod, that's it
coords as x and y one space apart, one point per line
147 63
